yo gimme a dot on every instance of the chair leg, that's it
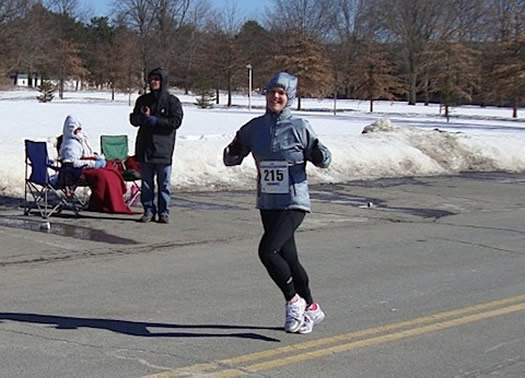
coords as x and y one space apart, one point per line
134 193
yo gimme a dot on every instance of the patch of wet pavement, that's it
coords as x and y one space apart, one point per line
500 177
374 203
387 182
198 205
72 231
425 213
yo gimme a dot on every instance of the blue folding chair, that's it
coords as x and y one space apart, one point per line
41 192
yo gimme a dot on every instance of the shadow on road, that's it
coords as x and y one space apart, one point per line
140 329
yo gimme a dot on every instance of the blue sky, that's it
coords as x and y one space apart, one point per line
250 8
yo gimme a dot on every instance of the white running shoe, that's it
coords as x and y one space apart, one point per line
294 315
312 316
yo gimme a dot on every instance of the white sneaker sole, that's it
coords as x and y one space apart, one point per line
295 328
305 331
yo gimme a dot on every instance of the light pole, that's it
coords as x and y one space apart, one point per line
249 66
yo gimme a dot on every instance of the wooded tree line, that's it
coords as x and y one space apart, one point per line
451 51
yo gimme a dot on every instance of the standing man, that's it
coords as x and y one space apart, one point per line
158 115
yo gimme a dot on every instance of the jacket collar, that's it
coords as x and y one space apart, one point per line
285 114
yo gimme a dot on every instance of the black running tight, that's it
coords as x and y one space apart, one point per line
278 252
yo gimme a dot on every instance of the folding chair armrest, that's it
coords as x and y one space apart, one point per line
53 165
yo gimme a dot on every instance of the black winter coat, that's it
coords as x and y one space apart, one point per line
155 143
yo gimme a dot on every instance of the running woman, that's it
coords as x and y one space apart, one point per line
281 144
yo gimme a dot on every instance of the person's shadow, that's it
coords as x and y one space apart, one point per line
140 329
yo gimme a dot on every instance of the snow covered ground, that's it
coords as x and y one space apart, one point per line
420 142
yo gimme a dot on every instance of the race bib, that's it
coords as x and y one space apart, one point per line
274 177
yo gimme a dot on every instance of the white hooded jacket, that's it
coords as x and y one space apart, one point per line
75 148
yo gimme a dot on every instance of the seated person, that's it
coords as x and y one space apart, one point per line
106 183
75 148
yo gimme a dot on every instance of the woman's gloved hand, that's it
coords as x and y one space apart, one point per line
317 155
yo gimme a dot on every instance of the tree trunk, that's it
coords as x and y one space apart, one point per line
427 95
229 91
61 88
412 90
144 78
515 109
371 105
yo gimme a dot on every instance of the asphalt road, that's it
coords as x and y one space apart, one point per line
418 277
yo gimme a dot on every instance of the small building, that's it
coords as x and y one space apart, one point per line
23 80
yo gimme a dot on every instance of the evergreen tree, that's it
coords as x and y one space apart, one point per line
210 60
255 48
98 50
206 97
189 47
47 91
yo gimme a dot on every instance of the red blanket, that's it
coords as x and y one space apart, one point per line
107 190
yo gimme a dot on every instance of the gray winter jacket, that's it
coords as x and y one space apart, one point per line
279 138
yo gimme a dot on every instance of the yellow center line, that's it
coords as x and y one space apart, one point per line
368 342
416 324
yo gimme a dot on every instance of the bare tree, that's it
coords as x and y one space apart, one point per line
33 35
308 17
125 62
221 49
138 16
505 18
466 20
66 7
168 16
10 11
411 24
349 29
189 44
161 26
